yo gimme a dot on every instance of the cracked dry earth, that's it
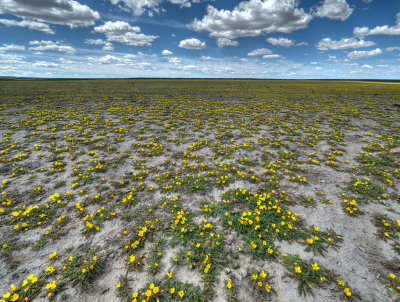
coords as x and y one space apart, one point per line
199 190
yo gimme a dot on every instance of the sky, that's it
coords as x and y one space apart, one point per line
282 39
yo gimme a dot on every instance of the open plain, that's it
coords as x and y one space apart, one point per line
199 190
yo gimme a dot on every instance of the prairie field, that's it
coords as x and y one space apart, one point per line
199 190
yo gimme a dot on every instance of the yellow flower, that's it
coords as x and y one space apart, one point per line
132 258
267 287
6 295
297 269
95 258
15 297
50 269
53 255
172 290
51 285
12 288
151 286
315 266
181 293
155 289
134 295
83 270
119 284
393 276
347 292
169 275
148 293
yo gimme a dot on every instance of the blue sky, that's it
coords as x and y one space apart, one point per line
200 38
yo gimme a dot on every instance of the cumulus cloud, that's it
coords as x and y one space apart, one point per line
34 25
379 30
107 59
206 58
284 42
192 43
333 9
51 46
271 56
253 18
166 52
106 44
11 47
45 64
223 42
392 48
360 54
123 32
64 12
139 7
366 66
259 52
174 60
345 43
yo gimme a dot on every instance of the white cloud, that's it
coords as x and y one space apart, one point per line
253 18
187 67
45 64
139 7
333 9
64 12
28 24
360 54
206 58
94 41
271 56
392 48
192 43
366 66
166 52
123 32
223 42
379 30
174 60
105 60
259 52
181 3
12 47
106 44
345 43
284 42
9 58
52 46
302 44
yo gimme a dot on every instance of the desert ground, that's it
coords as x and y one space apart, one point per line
199 190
